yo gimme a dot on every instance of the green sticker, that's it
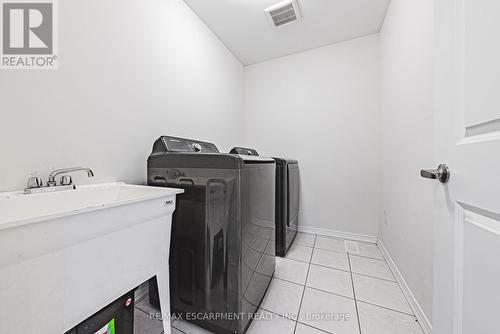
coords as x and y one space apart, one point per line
111 326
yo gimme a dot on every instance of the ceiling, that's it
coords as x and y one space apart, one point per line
246 30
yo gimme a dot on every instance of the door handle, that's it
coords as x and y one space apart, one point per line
442 173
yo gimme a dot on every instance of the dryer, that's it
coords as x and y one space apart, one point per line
287 203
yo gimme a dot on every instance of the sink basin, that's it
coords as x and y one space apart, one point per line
65 255
17 208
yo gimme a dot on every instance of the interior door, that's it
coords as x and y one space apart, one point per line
467 133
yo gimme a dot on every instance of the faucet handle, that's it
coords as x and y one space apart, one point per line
66 180
35 182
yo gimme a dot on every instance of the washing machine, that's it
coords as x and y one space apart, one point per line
223 231
287 199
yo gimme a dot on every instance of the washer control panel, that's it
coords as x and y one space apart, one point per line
175 144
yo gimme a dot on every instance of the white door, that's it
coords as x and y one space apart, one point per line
467 132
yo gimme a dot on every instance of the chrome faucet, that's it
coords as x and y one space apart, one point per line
35 184
51 182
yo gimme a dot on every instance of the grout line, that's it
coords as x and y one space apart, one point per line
379 278
295 245
147 313
330 250
336 251
354 293
285 280
311 326
304 288
359 255
286 258
386 308
296 321
368 257
280 315
318 264
327 267
345 271
329 292
313 288
296 259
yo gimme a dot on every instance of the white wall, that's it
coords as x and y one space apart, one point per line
407 142
129 71
322 108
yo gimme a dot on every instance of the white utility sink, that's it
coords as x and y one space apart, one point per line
65 255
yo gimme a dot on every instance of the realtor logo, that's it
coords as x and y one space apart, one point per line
28 34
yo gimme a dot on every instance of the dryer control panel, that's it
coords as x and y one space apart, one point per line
244 151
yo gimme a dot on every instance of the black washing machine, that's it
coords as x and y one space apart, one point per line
287 199
222 229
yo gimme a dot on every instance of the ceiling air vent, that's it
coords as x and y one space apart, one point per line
283 12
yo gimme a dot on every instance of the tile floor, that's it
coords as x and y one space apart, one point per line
320 288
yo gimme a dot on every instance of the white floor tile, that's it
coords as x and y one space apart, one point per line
304 329
330 243
269 323
283 298
371 267
304 239
376 320
330 259
380 292
291 270
331 280
145 325
332 313
300 253
189 328
369 250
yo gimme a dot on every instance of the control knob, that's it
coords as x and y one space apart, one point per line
197 147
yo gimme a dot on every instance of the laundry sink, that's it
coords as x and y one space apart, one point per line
17 208
65 255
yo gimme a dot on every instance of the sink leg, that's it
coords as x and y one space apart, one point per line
164 293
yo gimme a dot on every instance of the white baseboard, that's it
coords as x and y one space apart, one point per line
415 306
338 234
